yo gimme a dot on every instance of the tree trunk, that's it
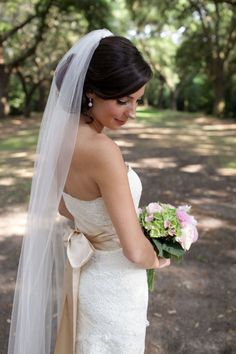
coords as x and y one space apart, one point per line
4 84
27 105
219 89
219 98
28 99
161 96
174 100
43 92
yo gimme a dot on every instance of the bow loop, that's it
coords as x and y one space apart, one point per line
79 249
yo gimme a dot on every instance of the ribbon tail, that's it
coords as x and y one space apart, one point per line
75 286
64 341
79 251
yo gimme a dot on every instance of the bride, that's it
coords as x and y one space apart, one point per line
95 299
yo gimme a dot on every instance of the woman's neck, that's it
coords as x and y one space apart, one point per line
94 124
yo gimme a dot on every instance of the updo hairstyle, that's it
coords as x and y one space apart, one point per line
117 69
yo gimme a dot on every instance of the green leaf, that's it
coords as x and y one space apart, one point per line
159 247
166 250
174 249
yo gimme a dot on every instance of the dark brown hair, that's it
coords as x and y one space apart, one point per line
116 69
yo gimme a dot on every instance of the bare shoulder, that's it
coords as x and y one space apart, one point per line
106 153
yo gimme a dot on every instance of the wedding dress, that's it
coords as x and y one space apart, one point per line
112 292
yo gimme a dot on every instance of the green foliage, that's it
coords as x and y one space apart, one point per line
65 21
196 95
156 228
16 96
192 44
20 142
164 117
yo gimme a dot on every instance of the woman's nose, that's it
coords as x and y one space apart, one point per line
132 111
132 115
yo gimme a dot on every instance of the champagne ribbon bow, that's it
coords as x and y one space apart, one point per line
79 250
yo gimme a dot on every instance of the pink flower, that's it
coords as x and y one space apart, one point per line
189 235
153 208
167 224
185 219
149 218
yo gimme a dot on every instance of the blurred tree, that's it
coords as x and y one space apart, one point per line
36 72
153 34
24 25
8 29
206 43
210 42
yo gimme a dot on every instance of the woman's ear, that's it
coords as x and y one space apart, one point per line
90 94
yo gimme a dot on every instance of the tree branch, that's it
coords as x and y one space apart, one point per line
230 2
205 26
217 23
8 34
156 68
22 80
38 37
232 37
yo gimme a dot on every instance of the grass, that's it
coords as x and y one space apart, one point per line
21 142
165 117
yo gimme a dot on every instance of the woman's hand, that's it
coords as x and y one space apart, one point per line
161 263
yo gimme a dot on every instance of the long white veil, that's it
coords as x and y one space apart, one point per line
40 273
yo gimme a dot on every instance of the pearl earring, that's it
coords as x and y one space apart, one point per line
90 104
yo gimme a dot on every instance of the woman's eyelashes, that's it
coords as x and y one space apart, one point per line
123 101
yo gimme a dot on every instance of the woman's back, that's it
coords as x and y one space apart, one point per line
80 180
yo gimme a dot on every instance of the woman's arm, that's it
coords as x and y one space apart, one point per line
110 173
64 211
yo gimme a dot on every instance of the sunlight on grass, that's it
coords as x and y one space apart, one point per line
226 171
7 181
156 162
19 142
231 163
210 143
13 224
166 117
192 168
199 134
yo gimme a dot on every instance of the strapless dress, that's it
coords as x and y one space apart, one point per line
105 308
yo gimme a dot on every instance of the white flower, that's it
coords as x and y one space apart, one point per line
185 208
189 235
153 208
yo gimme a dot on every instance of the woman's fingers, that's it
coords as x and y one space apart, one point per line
163 262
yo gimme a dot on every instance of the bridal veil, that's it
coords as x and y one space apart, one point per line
39 283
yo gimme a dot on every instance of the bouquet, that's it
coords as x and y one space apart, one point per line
171 230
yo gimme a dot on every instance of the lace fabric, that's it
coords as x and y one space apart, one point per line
113 293
113 300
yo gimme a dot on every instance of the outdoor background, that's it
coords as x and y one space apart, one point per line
183 145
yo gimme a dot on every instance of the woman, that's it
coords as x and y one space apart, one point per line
99 303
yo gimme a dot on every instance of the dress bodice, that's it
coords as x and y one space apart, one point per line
92 218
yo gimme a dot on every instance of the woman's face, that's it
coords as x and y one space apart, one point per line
114 113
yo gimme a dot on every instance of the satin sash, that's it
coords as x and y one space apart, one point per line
79 251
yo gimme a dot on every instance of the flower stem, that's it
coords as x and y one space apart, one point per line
151 279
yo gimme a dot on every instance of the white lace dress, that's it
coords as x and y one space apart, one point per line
113 293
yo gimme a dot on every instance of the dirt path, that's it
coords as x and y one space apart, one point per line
193 309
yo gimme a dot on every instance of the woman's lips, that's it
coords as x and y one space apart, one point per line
120 122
